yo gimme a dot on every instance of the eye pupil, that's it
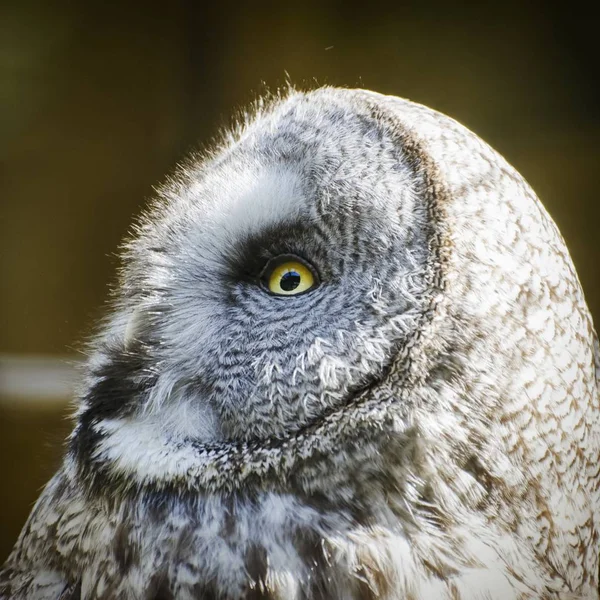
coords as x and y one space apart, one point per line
290 281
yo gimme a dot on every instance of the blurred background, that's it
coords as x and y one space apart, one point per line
99 100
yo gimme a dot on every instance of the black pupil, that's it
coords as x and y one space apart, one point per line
290 281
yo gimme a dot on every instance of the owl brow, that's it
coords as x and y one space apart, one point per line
248 256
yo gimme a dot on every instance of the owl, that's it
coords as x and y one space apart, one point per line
349 358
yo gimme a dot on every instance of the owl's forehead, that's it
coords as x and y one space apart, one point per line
305 159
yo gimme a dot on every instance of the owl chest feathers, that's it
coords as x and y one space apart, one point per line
374 533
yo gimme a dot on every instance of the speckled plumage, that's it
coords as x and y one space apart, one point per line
424 424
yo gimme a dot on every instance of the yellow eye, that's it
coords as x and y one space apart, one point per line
288 276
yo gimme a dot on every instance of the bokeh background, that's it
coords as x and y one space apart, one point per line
98 100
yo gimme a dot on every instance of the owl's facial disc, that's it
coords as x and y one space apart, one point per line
274 280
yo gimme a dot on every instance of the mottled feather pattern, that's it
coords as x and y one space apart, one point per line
424 425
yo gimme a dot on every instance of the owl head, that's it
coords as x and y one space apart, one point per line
343 264
349 356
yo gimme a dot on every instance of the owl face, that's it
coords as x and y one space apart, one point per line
271 283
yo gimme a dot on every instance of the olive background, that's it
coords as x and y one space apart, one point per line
99 100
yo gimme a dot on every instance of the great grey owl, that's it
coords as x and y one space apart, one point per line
349 358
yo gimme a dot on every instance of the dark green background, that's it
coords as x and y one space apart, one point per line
99 100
